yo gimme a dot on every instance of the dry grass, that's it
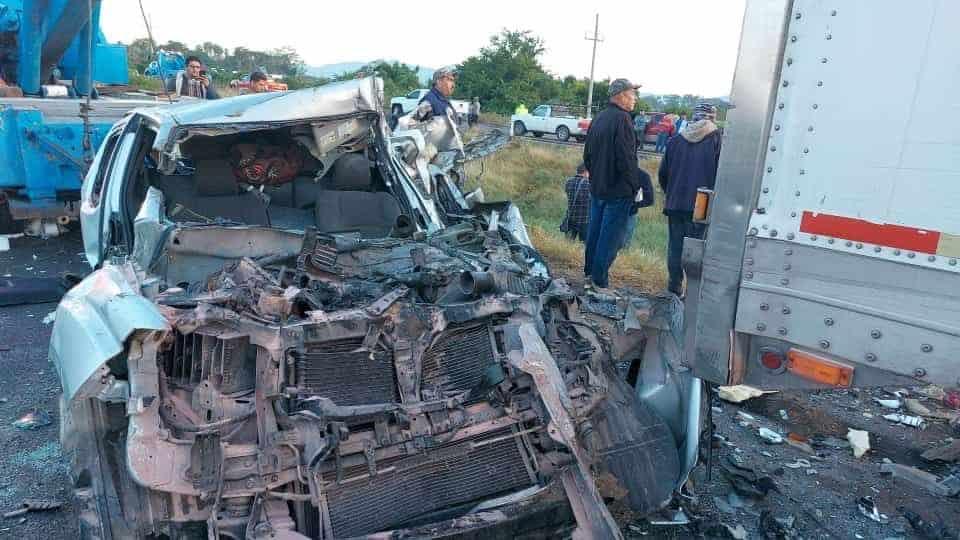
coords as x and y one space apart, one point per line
494 118
532 175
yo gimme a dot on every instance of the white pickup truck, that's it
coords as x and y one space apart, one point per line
554 119
402 105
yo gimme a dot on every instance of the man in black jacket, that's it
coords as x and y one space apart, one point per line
690 162
610 155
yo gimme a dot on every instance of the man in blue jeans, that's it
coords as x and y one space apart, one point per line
690 162
610 154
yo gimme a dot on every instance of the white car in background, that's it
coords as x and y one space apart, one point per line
402 105
554 119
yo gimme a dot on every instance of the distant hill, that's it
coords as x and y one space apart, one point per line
332 70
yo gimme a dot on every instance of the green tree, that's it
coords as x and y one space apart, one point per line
508 72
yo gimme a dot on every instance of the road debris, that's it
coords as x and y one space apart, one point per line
951 399
869 509
800 443
777 528
860 441
915 407
798 464
912 421
33 505
921 479
769 436
746 481
678 518
34 419
948 452
889 403
722 530
740 393
932 530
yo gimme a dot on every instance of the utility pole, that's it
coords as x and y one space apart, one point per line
593 60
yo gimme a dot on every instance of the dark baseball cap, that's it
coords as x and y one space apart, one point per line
621 85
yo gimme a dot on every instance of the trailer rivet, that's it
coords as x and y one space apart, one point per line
824 344
919 372
748 261
785 310
786 267
761 210
823 60
766 190
871 357
748 275
782 331
849 243
828 321
773 233
784 281
789 61
776 127
803 172
790 235
797 193
793 39
931 258
877 249
780 106
797 16
896 252
788 252
769 169
859 245
815 106
764 306
953 262
829 36
773 148
753 231
761 327
813 238
819 83
792 214
875 334
926 347
830 241
786 84
806 150
809 128
911 255
833 13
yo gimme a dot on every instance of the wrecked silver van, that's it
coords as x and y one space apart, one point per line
298 327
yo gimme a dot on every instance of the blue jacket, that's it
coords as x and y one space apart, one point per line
690 162
438 102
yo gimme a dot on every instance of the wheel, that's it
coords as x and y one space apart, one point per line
519 129
537 134
563 133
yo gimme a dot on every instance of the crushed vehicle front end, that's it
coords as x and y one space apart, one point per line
354 353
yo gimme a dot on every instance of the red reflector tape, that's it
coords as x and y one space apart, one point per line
859 230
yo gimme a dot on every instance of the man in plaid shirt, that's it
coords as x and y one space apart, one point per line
578 204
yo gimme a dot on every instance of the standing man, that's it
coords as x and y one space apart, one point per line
610 155
436 102
578 205
690 162
194 82
665 131
473 114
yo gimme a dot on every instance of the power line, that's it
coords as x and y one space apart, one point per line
593 60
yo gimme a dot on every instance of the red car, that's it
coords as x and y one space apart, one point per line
656 125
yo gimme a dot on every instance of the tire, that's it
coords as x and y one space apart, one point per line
563 133
519 129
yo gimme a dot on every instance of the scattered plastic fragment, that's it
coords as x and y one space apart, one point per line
770 436
922 479
869 509
798 464
889 403
860 441
740 393
912 421
33 505
34 419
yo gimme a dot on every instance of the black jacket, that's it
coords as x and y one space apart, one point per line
611 155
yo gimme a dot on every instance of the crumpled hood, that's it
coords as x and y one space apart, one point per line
696 131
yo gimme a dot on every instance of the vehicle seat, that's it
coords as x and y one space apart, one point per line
349 203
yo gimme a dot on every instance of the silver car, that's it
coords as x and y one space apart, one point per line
298 326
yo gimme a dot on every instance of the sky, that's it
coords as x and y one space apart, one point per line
668 46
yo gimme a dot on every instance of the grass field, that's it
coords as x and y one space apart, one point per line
532 176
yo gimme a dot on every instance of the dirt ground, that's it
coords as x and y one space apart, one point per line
821 499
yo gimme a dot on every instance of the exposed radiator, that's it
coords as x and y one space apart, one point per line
446 476
346 373
457 359
225 359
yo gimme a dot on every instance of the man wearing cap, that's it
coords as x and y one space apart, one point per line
610 155
437 101
690 162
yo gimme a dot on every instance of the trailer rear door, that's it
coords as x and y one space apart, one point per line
835 232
